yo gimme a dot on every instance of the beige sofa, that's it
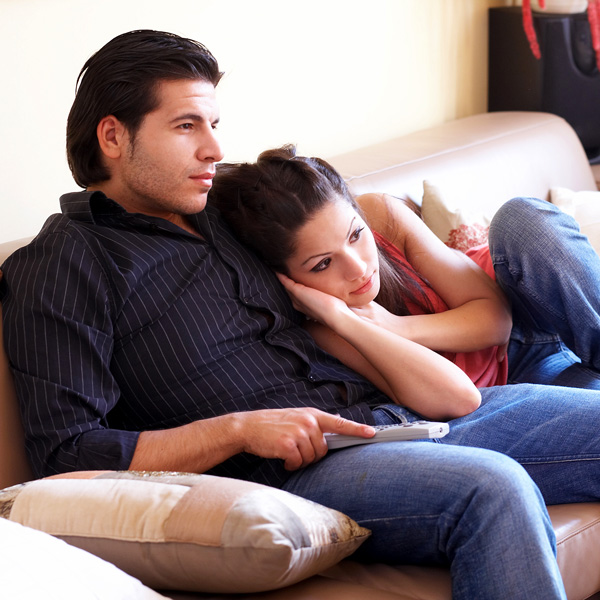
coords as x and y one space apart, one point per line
478 162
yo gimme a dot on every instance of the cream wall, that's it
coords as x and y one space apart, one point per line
328 75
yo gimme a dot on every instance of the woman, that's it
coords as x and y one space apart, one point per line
422 322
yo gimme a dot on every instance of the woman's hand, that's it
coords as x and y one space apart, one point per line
316 305
375 313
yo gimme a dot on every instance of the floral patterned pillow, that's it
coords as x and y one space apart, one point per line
457 228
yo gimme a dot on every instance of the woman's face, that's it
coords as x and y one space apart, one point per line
336 254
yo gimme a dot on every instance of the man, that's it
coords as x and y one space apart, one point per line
142 335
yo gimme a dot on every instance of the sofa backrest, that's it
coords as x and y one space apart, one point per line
14 467
483 159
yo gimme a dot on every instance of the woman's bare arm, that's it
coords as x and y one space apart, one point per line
409 373
478 316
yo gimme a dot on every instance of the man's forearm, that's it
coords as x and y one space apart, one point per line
293 435
194 448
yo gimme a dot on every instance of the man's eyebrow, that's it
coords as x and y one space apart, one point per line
326 253
193 117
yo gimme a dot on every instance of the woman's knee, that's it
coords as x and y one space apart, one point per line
523 223
515 214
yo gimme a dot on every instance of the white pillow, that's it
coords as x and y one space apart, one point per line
37 565
584 207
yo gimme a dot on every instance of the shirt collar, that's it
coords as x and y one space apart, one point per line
91 207
86 206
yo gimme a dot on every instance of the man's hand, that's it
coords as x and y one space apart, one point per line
295 435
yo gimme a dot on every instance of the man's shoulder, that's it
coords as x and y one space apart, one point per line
61 240
57 226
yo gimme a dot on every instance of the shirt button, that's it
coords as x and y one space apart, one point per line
312 377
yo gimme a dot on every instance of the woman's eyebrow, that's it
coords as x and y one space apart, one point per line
326 253
351 226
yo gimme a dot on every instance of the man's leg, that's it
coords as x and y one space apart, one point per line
427 503
552 277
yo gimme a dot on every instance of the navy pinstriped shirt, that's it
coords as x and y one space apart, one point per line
115 323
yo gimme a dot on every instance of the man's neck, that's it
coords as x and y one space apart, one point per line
181 221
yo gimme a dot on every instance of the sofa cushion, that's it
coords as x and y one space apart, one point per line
188 532
37 565
584 207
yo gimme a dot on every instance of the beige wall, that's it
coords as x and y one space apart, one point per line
328 75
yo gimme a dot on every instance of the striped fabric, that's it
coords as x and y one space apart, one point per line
117 323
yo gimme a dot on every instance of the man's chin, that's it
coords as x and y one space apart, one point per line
198 204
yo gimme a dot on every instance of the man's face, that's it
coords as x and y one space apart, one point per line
167 170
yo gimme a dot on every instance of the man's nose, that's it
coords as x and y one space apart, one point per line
210 148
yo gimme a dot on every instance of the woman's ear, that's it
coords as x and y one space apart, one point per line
112 137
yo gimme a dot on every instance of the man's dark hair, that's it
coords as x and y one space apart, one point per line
121 79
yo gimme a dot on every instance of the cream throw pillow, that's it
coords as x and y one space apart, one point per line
457 228
584 207
188 532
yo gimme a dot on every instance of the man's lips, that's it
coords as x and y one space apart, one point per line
204 179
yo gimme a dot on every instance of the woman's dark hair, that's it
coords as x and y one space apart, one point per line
121 80
265 203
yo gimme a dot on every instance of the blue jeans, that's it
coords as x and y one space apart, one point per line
447 503
465 500
551 275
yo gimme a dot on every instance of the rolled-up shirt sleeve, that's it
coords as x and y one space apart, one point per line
58 311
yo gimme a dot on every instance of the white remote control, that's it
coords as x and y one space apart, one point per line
390 433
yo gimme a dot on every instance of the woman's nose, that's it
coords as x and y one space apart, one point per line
356 267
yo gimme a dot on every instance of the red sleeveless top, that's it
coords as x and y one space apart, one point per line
481 366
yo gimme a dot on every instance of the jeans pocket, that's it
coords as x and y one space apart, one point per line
391 414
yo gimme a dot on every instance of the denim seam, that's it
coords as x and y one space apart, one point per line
364 522
546 461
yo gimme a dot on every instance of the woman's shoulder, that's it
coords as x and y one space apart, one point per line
390 216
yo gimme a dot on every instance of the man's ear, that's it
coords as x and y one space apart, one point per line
112 137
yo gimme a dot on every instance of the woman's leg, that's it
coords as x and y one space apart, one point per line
551 275
552 431
426 503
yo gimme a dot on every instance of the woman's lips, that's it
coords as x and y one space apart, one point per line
365 287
